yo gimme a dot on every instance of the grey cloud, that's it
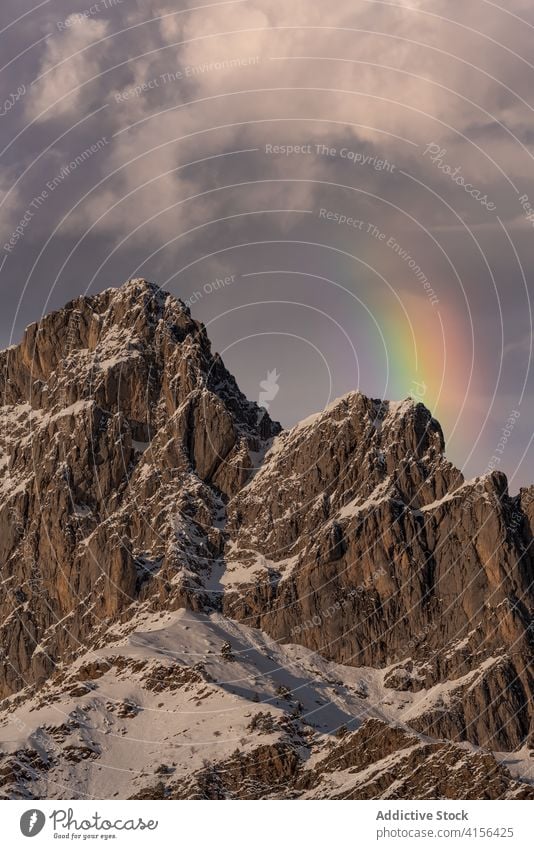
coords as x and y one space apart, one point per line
173 86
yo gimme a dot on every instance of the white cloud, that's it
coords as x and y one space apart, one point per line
369 66
68 63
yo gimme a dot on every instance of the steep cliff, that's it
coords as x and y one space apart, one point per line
138 484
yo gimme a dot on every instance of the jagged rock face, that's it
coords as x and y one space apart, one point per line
380 554
137 478
414 771
121 433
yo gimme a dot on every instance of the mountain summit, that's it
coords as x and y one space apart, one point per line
335 600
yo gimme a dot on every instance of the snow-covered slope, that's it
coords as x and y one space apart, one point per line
195 603
165 707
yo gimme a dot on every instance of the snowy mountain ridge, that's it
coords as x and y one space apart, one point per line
194 603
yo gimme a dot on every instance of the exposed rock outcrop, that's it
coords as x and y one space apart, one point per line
138 480
122 437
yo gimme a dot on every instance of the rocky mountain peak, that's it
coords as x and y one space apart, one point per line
139 481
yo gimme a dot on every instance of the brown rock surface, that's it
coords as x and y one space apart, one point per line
137 479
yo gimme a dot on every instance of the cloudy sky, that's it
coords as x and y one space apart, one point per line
340 191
